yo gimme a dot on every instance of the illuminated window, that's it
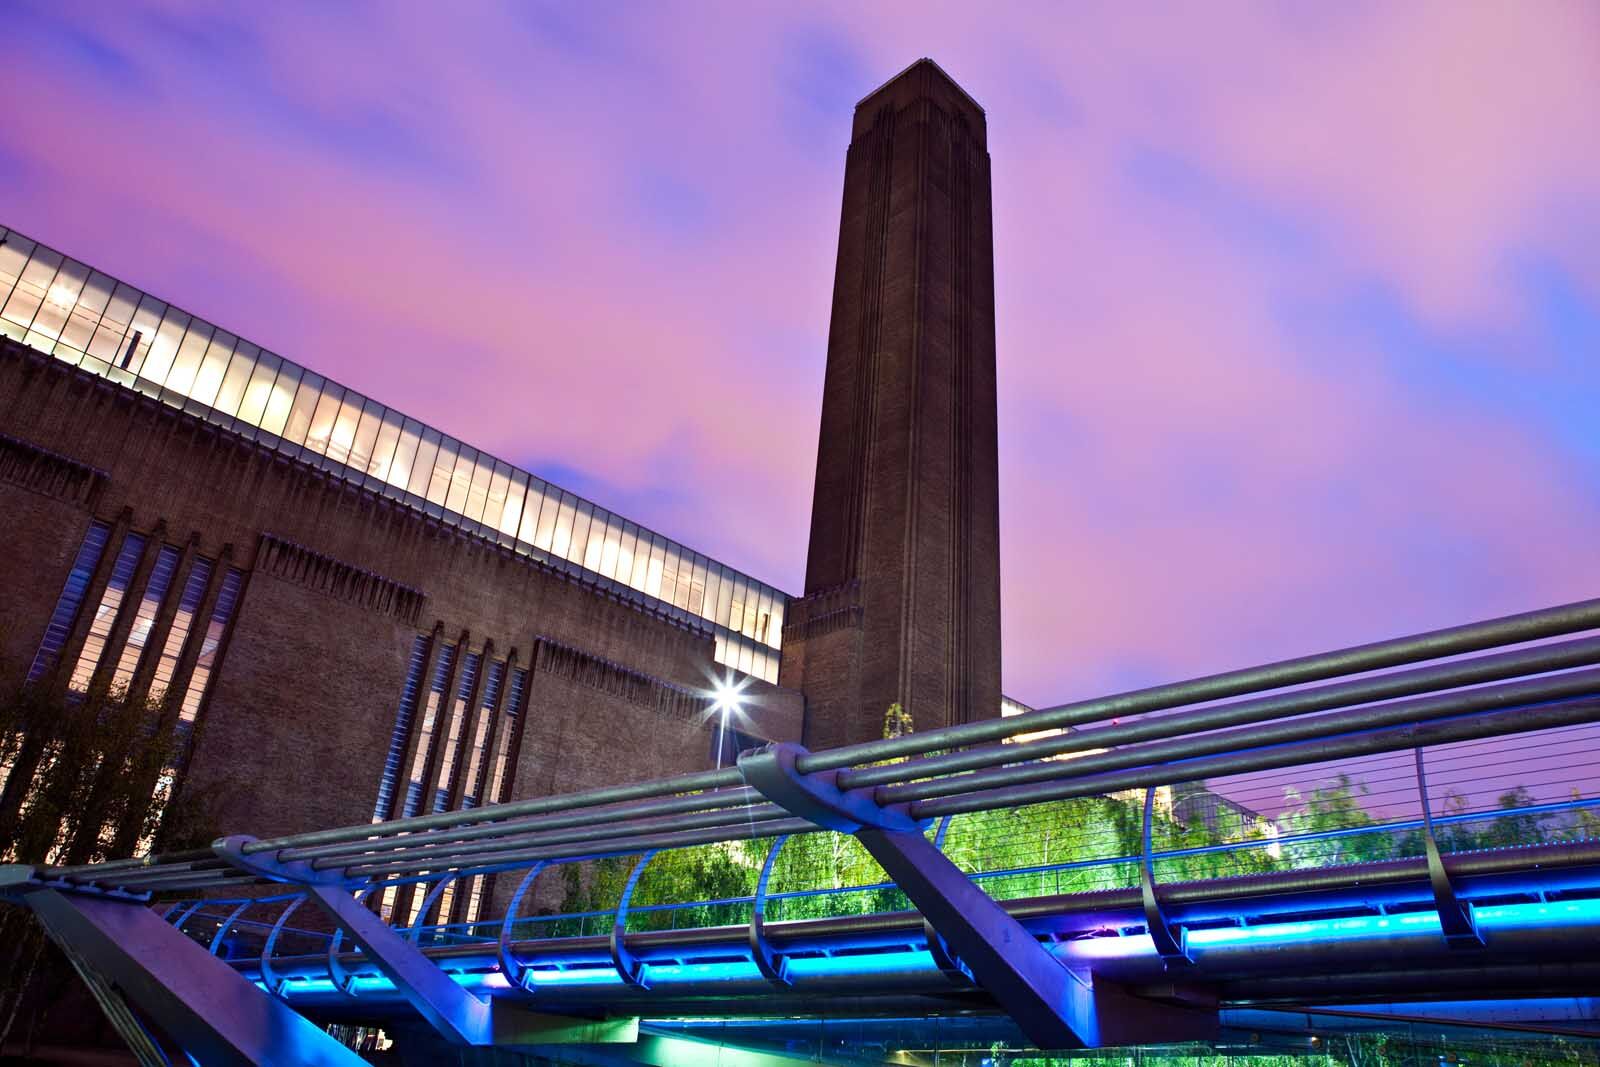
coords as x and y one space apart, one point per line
194 590
206 665
480 734
430 718
155 591
60 306
402 729
499 771
459 714
105 615
71 599
500 775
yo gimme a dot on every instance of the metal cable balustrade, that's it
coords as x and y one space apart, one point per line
1433 795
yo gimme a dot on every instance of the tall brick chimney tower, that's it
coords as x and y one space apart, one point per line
902 597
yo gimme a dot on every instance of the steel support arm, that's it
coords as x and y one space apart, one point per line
209 1009
457 1015
1055 1007
460 1017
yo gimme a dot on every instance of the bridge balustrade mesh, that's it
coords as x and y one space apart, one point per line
1538 788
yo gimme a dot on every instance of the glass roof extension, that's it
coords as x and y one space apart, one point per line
95 322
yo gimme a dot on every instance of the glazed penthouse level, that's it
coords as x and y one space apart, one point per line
86 318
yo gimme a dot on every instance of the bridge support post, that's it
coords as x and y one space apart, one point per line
1055 1007
459 1017
210 1010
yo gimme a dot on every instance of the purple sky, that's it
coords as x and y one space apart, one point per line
1298 304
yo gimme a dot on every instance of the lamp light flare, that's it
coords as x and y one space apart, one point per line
727 699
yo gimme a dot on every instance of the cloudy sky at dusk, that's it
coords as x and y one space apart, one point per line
1298 305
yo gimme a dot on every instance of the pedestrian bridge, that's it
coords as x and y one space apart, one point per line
1398 834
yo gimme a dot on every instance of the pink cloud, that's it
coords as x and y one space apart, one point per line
448 215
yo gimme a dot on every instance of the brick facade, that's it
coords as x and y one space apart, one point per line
337 584
902 589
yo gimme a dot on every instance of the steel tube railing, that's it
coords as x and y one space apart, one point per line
1393 739
707 820
488 861
1216 739
1418 709
727 777
1395 882
1583 652
743 797
1395 652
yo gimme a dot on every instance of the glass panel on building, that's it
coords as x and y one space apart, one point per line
65 614
402 729
105 615
425 730
194 590
144 619
459 714
206 665
60 305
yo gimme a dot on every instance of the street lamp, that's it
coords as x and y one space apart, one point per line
727 699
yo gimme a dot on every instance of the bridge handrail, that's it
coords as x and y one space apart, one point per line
1506 692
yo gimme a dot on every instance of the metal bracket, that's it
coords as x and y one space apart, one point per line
187 913
457 1015
773 967
771 771
1456 920
414 933
296 872
269 977
342 979
1054 1009
629 969
510 966
1169 946
208 1008
226 925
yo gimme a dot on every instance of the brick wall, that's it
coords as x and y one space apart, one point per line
339 582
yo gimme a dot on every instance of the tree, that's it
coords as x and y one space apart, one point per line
897 722
79 770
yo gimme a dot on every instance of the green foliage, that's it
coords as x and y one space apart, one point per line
897 722
1094 842
82 775
93 763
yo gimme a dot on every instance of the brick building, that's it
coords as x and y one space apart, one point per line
348 615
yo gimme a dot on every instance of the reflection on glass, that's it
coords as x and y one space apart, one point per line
63 307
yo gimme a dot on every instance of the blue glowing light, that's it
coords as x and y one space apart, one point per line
1490 919
1561 914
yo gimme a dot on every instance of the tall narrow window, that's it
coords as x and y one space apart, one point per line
480 734
459 714
106 614
194 590
402 729
155 591
500 775
71 599
430 719
206 665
